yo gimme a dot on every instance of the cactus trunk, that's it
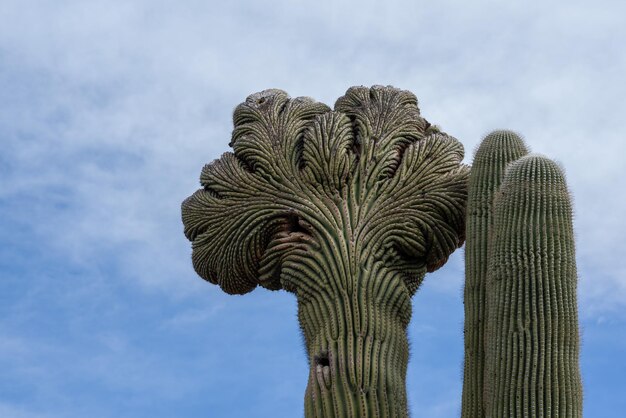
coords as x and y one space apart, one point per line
358 374
354 329
496 151
533 342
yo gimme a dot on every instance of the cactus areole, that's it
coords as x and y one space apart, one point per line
347 209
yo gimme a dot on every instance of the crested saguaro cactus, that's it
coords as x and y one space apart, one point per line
530 340
347 209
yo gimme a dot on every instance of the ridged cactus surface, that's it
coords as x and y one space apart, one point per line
496 151
532 339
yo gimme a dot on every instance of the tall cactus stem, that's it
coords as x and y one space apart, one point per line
496 151
532 337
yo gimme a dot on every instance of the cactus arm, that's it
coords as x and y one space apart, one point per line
496 151
533 342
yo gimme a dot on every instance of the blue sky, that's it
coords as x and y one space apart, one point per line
108 111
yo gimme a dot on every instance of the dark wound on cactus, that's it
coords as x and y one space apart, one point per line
348 209
532 339
495 153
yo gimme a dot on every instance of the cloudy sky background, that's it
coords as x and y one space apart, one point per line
108 111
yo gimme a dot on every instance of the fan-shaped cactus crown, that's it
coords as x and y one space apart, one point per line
301 178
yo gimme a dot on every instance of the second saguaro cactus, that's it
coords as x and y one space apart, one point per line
520 255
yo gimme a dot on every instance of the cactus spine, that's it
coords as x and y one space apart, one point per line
532 340
521 331
496 151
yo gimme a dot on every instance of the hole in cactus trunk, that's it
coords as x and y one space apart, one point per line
322 359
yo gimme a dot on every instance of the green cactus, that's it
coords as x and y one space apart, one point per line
533 340
522 343
496 151
347 209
